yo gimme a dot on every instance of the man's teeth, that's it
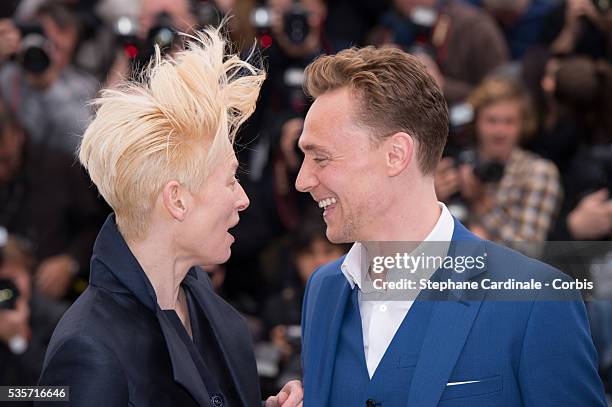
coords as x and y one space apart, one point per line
326 202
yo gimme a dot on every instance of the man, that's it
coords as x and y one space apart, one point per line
449 37
372 140
49 100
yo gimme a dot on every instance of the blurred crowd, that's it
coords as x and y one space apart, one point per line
529 157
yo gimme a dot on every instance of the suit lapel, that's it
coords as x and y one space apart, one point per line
337 289
448 330
183 368
232 347
450 324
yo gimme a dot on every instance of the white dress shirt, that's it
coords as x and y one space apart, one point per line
380 320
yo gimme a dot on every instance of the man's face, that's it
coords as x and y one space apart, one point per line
499 128
63 41
342 170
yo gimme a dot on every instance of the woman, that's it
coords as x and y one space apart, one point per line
149 330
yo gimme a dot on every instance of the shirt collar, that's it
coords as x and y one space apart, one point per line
354 262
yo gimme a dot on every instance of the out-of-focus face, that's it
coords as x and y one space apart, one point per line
63 41
213 210
498 128
549 82
341 170
319 253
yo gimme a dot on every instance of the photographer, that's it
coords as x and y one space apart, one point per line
458 43
27 319
578 136
157 23
41 87
48 200
521 204
308 250
582 27
291 35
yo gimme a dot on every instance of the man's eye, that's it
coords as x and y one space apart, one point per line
319 160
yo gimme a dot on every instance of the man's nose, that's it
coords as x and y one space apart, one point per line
305 180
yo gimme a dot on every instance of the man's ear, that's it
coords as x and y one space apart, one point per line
399 151
175 200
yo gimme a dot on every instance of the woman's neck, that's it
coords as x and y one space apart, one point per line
163 268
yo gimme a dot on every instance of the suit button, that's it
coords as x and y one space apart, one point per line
217 401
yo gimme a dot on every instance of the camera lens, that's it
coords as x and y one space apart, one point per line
34 57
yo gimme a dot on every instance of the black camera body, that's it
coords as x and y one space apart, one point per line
597 171
486 171
33 55
295 22
162 34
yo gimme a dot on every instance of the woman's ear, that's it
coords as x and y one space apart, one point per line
175 200
399 152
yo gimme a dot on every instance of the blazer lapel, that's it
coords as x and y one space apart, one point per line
337 289
215 310
183 368
448 329
450 324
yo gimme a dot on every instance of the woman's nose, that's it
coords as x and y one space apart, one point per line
243 200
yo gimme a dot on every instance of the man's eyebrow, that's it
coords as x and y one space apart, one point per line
314 148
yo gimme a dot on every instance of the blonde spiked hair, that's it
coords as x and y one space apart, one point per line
176 123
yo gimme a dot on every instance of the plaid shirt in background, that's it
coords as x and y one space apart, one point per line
527 199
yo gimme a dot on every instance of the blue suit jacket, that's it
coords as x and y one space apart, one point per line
529 352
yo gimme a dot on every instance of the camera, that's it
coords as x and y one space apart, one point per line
161 34
597 171
33 54
422 21
295 22
9 293
208 14
486 171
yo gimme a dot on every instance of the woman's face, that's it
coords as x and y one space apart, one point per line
213 210
498 128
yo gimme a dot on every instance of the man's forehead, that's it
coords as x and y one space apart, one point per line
315 140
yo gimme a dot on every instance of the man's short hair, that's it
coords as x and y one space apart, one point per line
176 123
395 93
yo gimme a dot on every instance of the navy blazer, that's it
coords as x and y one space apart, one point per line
494 352
116 347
